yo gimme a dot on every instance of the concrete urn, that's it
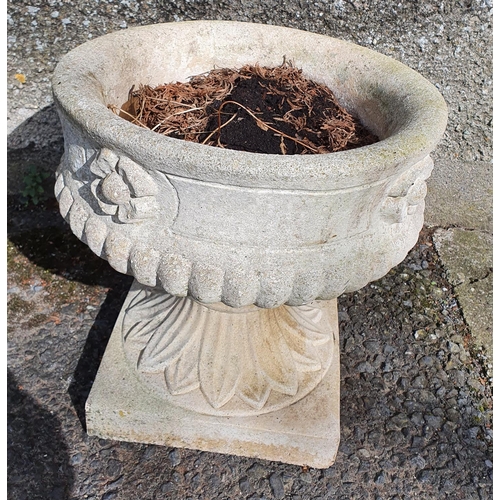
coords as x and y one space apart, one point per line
228 339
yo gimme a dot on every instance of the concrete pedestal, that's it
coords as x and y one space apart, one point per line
121 407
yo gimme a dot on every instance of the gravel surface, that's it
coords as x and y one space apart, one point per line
448 42
416 400
416 405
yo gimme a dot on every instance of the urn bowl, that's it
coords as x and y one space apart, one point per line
236 227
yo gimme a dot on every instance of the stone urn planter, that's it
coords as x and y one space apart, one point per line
228 339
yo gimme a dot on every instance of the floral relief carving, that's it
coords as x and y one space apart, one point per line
122 188
244 358
407 193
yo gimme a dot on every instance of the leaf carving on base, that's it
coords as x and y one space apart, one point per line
140 326
222 355
274 356
253 388
219 362
163 350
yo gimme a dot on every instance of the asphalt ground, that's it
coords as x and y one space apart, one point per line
416 402
416 346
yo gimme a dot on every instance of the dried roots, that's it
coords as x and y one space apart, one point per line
259 109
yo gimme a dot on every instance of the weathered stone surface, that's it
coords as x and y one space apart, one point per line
225 361
166 198
453 200
304 433
306 227
468 257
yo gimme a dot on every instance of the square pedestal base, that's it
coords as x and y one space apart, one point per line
306 433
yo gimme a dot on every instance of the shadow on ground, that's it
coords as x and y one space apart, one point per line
46 252
94 348
43 237
35 147
38 459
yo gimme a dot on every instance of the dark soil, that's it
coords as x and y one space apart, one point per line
256 109
245 134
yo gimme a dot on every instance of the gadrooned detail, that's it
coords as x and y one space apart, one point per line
128 252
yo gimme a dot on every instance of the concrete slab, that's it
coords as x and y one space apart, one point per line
460 194
468 257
